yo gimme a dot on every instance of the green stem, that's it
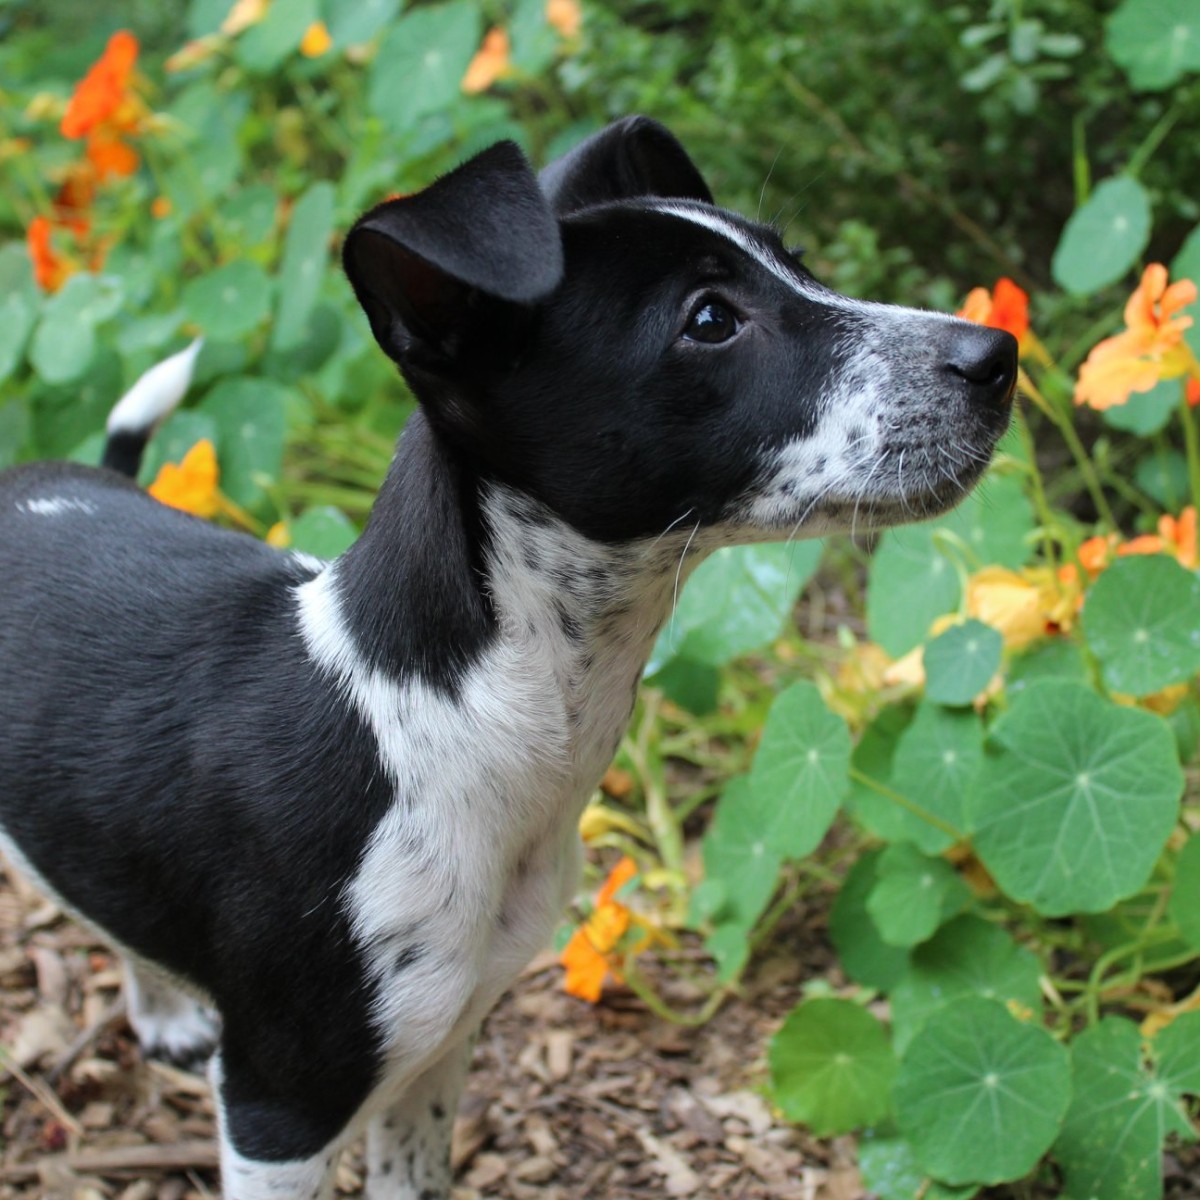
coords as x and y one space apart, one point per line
1191 441
911 805
1045 513
1154 139
657 1005
1083 461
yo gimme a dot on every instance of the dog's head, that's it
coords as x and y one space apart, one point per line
609 342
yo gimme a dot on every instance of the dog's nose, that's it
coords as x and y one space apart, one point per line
986 359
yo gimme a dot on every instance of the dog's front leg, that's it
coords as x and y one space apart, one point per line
408 1143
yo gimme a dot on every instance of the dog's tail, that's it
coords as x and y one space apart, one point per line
135 416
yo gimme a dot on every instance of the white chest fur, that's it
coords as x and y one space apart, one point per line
462 880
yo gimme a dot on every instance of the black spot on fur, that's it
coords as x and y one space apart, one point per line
437 1111
386 1166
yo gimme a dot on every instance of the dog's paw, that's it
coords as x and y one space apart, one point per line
185 1036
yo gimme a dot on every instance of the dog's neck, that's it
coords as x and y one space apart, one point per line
452 566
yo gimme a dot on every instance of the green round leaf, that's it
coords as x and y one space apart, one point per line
913 895
17 315
980 1095
913 582
1104 237
324 531
263 47
64 343
1074 799
934 766
419 67
1184 907
890 1172
832 1067
1110 1147
960 663
967 957
1142 620
800 772
352 22
864 955
739 854
736 601
1163 475
305 256
1145 413
1156 42
250 416
230 302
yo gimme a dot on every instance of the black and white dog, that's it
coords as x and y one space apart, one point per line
328 812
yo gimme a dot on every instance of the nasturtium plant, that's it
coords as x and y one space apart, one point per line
1184 905
832 1067
1074 799
861 950
889 1169
980 1095
1141 622
960 662
1128 1097
1156 41
1104 238
913 895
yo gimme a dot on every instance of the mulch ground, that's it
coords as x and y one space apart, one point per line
566 1101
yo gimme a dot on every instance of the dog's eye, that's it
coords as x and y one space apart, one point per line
711 322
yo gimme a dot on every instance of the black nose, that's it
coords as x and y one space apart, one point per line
984 358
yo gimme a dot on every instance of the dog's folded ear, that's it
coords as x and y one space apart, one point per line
631 157
423 265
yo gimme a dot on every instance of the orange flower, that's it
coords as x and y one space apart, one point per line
192 485
489 64
566 16
588 955
316 40
104 89
1005 307
109 155
160 207
1146 543
1179 536
1149 349
50 269
1193 391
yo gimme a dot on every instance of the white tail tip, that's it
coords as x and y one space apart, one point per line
155 394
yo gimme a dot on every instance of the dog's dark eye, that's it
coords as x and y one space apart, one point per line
711 322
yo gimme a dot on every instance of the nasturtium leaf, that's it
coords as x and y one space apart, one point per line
960 662
864 955
913 582
173 439
1163 475
1056 659
352 22
800 772
913 895
692 685
1122 1109
249 215
1142 621
738 600
230 302
967 957
17 315
250 415
934 766
832 1067
205 16
980 1095
64 342
323 530
422 60
1145 413
1074 799
729 945
1104 237
873 758
890 1172
1176 1050
1184 906
64 416
1156 42
305 257
535 42
14 429
263 47
738 852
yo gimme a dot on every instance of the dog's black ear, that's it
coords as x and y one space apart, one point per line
632 157
424 265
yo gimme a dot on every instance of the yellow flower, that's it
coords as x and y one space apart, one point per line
1150 348
279 536
192 485
244 14
316 40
